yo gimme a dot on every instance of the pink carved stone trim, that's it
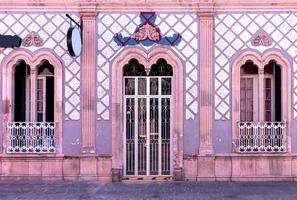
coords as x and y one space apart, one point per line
147 59
206 60
261 38
32 39
88 86
155 5
33 60
261 61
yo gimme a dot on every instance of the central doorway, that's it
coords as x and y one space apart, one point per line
147 117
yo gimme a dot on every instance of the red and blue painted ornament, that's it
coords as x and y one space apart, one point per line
147 33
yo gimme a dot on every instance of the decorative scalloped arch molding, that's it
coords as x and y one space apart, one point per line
147 59
33 60
261 61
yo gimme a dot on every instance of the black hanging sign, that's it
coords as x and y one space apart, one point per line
74 41
10 41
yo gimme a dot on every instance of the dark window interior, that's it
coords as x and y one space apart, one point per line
273 68
20 76
161 68
50 99
249 68
134 68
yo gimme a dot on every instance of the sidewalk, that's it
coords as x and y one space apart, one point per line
147 190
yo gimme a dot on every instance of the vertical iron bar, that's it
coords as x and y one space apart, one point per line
136 125
148 131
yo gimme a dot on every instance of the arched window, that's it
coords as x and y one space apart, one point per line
251 90
261 124
26 100
32 126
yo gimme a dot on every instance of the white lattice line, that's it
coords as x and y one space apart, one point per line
183 49
107 50
280 26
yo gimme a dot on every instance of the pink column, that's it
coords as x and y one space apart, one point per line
206 64
88 81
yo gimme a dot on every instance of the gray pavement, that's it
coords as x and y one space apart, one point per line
147 190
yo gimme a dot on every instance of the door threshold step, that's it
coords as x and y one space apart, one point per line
148 178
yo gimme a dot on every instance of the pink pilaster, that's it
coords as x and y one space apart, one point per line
88 81
206 63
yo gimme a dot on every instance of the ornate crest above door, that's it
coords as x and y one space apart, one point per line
147 33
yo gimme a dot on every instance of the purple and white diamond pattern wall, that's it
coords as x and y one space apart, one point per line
233 32
187 50
52 28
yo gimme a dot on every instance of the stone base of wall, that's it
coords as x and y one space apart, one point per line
83 167
256 167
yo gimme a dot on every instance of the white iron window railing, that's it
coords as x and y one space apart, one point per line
31 137
262 137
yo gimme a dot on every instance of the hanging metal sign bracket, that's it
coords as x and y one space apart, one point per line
79 25
74 38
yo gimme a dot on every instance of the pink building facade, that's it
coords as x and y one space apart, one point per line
179 90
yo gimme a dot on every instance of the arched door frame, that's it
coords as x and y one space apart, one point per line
261 61
33 60
147 59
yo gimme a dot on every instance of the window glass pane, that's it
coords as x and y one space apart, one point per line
153 116
142 117
130 131
153 86
165 131
268 99
166 86
39 84
39 117
141 86
246 99
39 106
129 86
39 95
